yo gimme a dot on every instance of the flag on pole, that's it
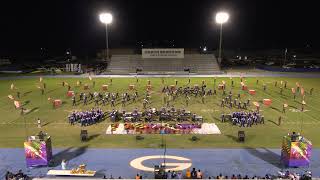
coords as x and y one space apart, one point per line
12 86
10 97
302 91
16 104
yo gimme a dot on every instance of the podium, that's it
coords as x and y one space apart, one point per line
296 151
38 150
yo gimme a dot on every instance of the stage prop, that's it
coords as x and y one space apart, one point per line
245 87
131 87
241 136
79 171
267 102
252 92
221 87
38 150
104 87
164 128
57 103
296 151
70 93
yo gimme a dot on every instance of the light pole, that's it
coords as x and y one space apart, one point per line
221 18
106 18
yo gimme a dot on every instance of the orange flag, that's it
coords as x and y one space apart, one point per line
16 104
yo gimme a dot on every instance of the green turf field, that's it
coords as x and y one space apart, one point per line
13 130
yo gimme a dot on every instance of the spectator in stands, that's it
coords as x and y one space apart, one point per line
179 175
193 173
169 174
199 174
64 164
188 174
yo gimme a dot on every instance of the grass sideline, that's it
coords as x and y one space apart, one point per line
13 131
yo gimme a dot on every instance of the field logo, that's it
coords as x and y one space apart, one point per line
138 163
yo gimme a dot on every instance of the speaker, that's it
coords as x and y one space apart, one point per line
241 136
84 135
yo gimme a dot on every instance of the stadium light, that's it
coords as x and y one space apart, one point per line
221 18
205 49
106 18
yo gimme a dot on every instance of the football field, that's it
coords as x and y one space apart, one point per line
14 127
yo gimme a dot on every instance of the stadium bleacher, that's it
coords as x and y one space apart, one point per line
197 63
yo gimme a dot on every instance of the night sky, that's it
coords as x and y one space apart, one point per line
26 26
